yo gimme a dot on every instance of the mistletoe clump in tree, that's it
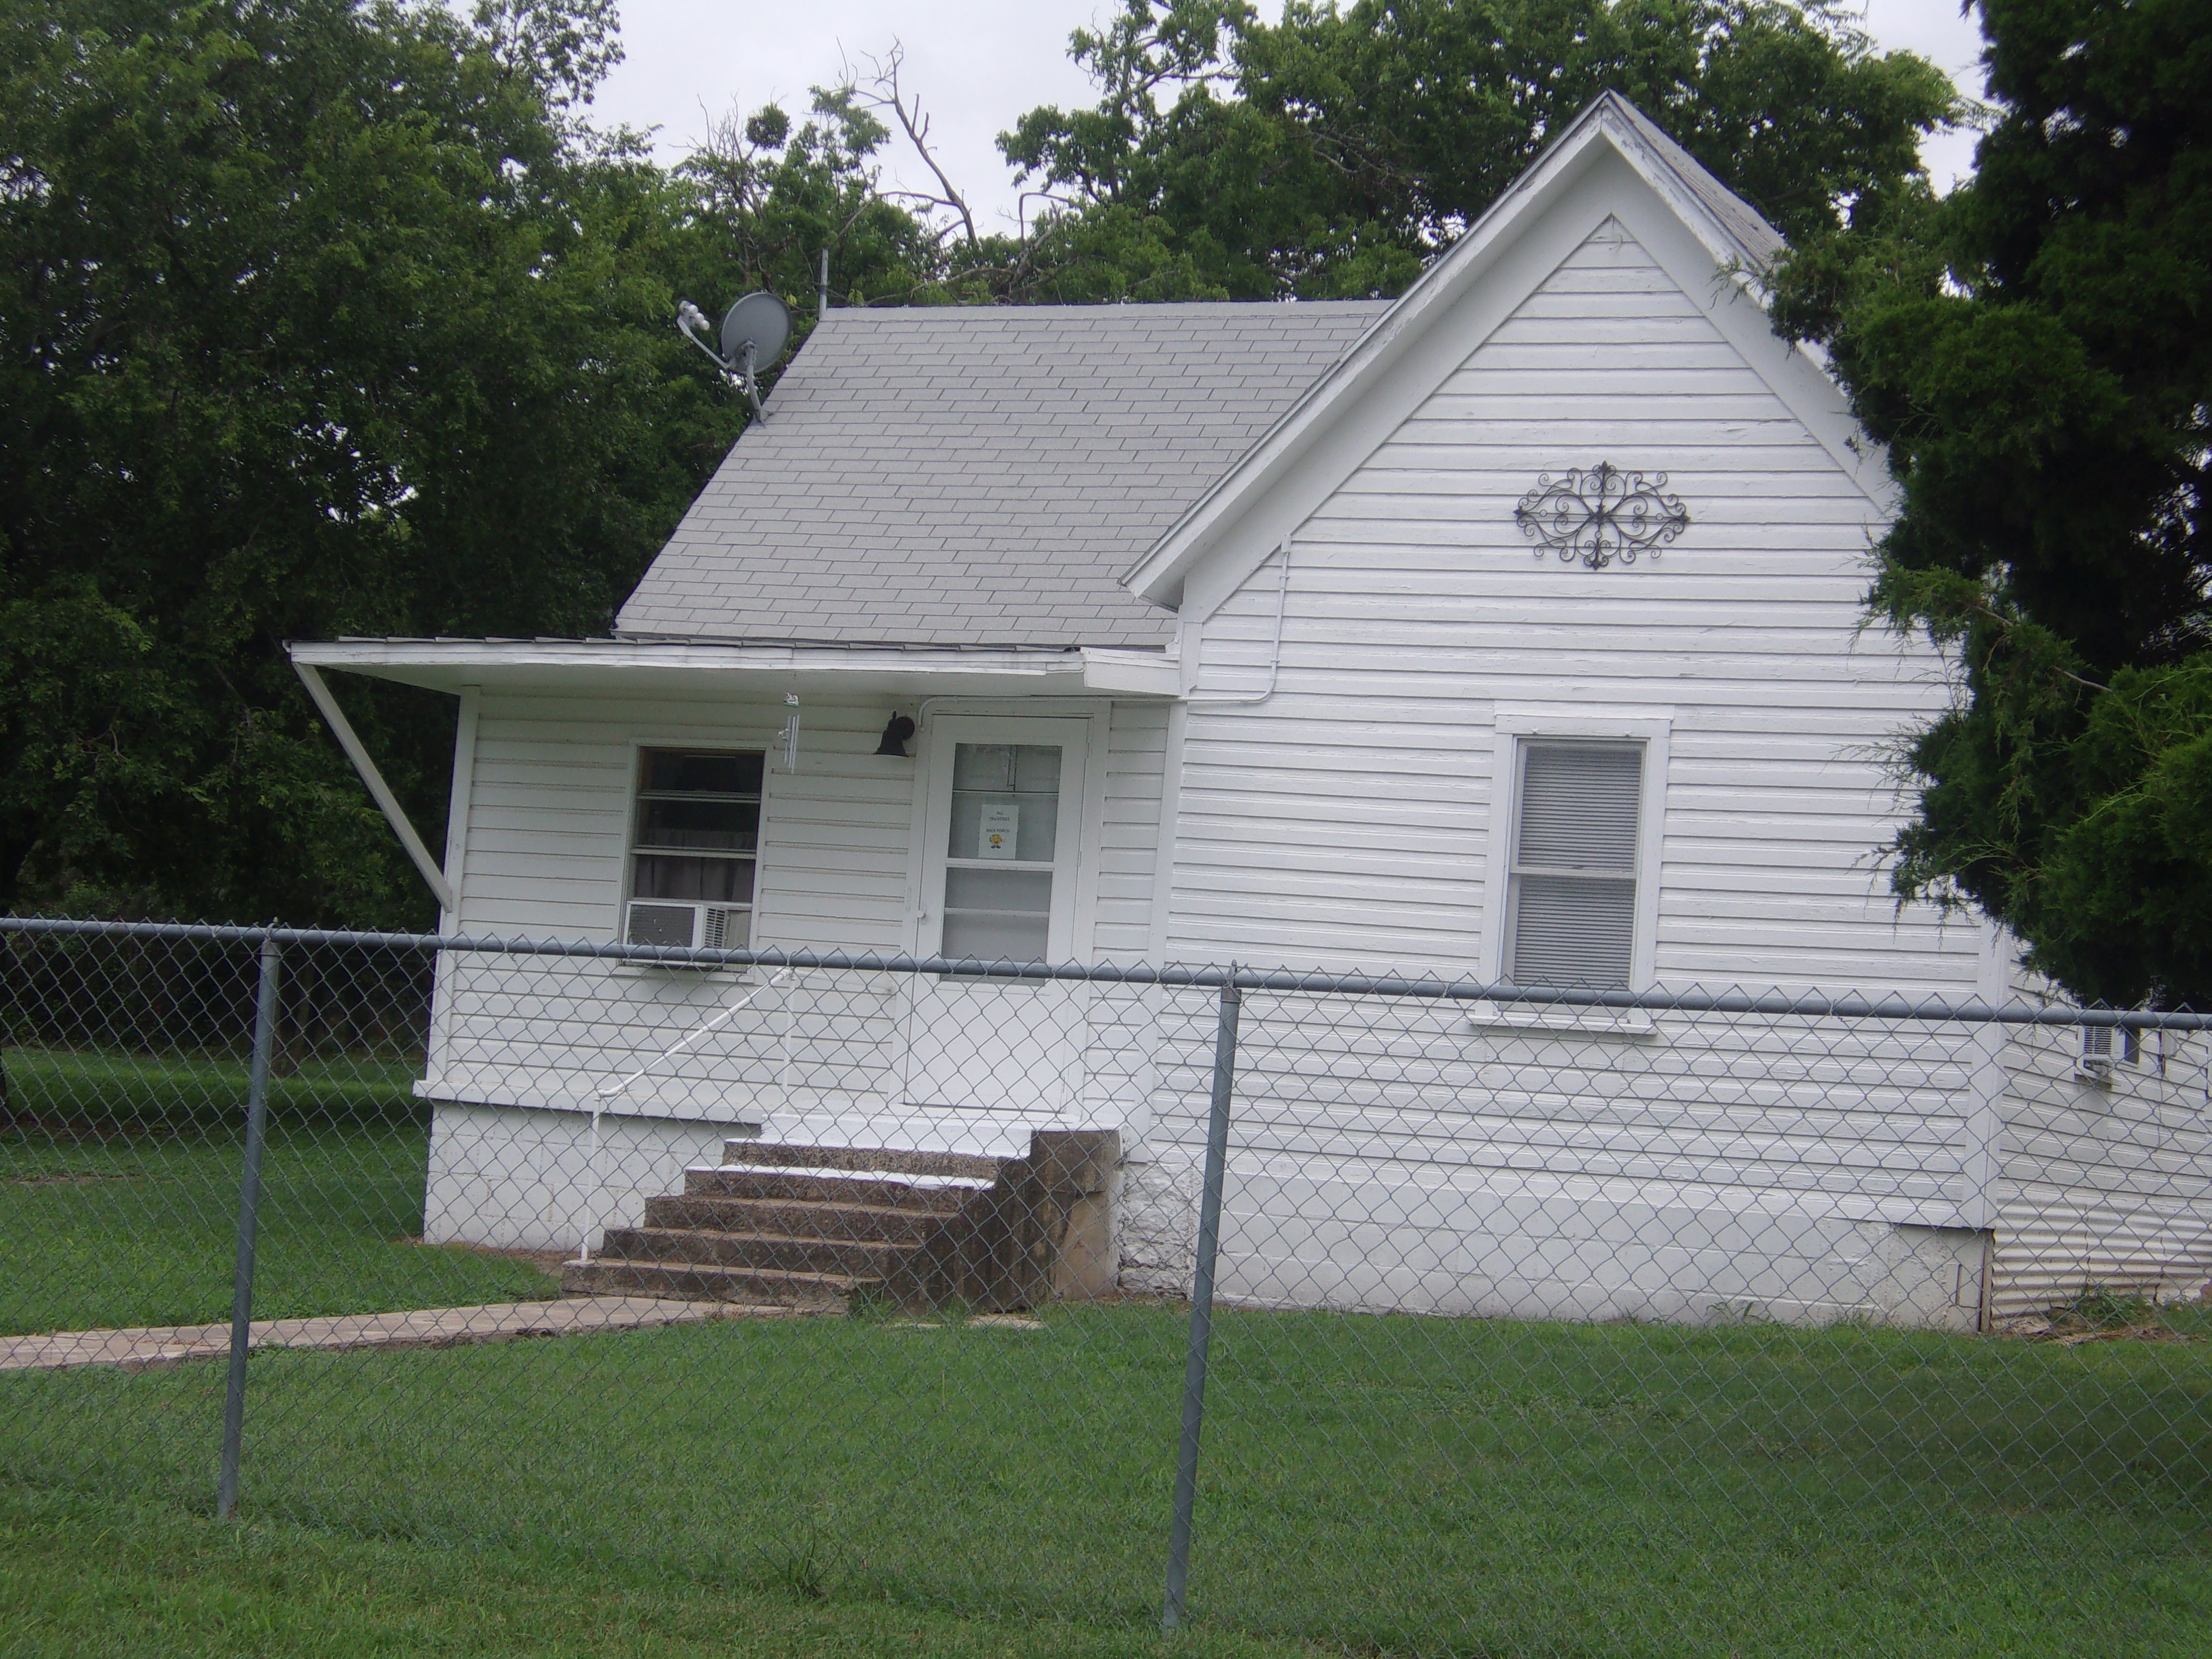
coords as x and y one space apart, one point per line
2036 350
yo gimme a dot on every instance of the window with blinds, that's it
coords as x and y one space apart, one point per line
1572 920
693 846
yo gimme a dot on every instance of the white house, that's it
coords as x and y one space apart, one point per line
1509 630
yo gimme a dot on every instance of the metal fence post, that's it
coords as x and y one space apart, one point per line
249 1223
1201 1302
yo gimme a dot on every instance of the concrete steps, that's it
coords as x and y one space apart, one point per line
791 1219
780 1252
699 1282
790 1226
880 1191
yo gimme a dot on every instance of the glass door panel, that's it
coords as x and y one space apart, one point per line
1001 842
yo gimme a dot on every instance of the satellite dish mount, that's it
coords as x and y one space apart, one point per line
754 331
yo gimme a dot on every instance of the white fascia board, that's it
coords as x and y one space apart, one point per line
1158 576
1370 410
1284 476
651 666
1131 673
588 655
1794 375
1279 454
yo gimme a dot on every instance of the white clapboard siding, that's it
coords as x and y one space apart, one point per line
1128 857
1347 821
548 835
2101 1183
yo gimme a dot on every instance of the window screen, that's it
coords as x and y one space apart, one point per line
1573 914
693 847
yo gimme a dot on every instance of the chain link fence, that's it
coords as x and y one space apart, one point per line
1378 1314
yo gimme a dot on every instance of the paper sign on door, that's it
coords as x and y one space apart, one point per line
995 838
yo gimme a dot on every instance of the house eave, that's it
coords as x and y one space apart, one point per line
665 667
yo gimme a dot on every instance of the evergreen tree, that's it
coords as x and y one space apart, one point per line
2036 350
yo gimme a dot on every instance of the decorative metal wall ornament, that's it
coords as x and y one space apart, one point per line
1599 515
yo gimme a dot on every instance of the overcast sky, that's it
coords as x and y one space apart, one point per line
978 64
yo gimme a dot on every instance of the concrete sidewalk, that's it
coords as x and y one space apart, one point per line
428 1327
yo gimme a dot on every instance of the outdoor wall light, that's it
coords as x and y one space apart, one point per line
895 736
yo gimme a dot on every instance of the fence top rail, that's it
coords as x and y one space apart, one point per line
1893 1006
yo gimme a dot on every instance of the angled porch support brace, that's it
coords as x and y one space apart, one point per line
343 729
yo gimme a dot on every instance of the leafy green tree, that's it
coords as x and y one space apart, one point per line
765 199
2036 350
1332 153
327 317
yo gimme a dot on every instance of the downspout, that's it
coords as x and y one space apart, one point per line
1274 654
387 801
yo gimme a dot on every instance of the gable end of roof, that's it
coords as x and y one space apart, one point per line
1739 239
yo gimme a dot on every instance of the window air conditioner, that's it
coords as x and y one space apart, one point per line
689 926
651 922
2095 1062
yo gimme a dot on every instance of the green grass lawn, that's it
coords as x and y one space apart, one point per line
1478 1488
1390 1483
119 1186
84 1579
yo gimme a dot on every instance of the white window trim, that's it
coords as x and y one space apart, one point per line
625 871
1513 725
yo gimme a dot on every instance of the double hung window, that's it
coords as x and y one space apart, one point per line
1571 920
693 847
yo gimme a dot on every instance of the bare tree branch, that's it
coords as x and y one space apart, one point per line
884 78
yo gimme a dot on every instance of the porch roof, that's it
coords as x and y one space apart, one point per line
666 666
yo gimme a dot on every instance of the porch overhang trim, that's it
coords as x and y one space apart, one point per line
666 666
386 802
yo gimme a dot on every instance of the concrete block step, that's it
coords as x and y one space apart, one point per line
792 1217
937 1195
705 1282
698 1247
872 1160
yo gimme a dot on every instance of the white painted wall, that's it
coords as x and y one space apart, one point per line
516 1179
2102 1182
813 1054
1348 821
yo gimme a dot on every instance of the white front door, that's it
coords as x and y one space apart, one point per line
1002 841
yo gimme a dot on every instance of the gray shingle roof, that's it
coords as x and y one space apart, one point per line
980 475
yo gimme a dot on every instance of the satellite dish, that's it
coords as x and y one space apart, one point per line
759 324
754 331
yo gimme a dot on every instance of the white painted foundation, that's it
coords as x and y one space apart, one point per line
1464 1242
522 1179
